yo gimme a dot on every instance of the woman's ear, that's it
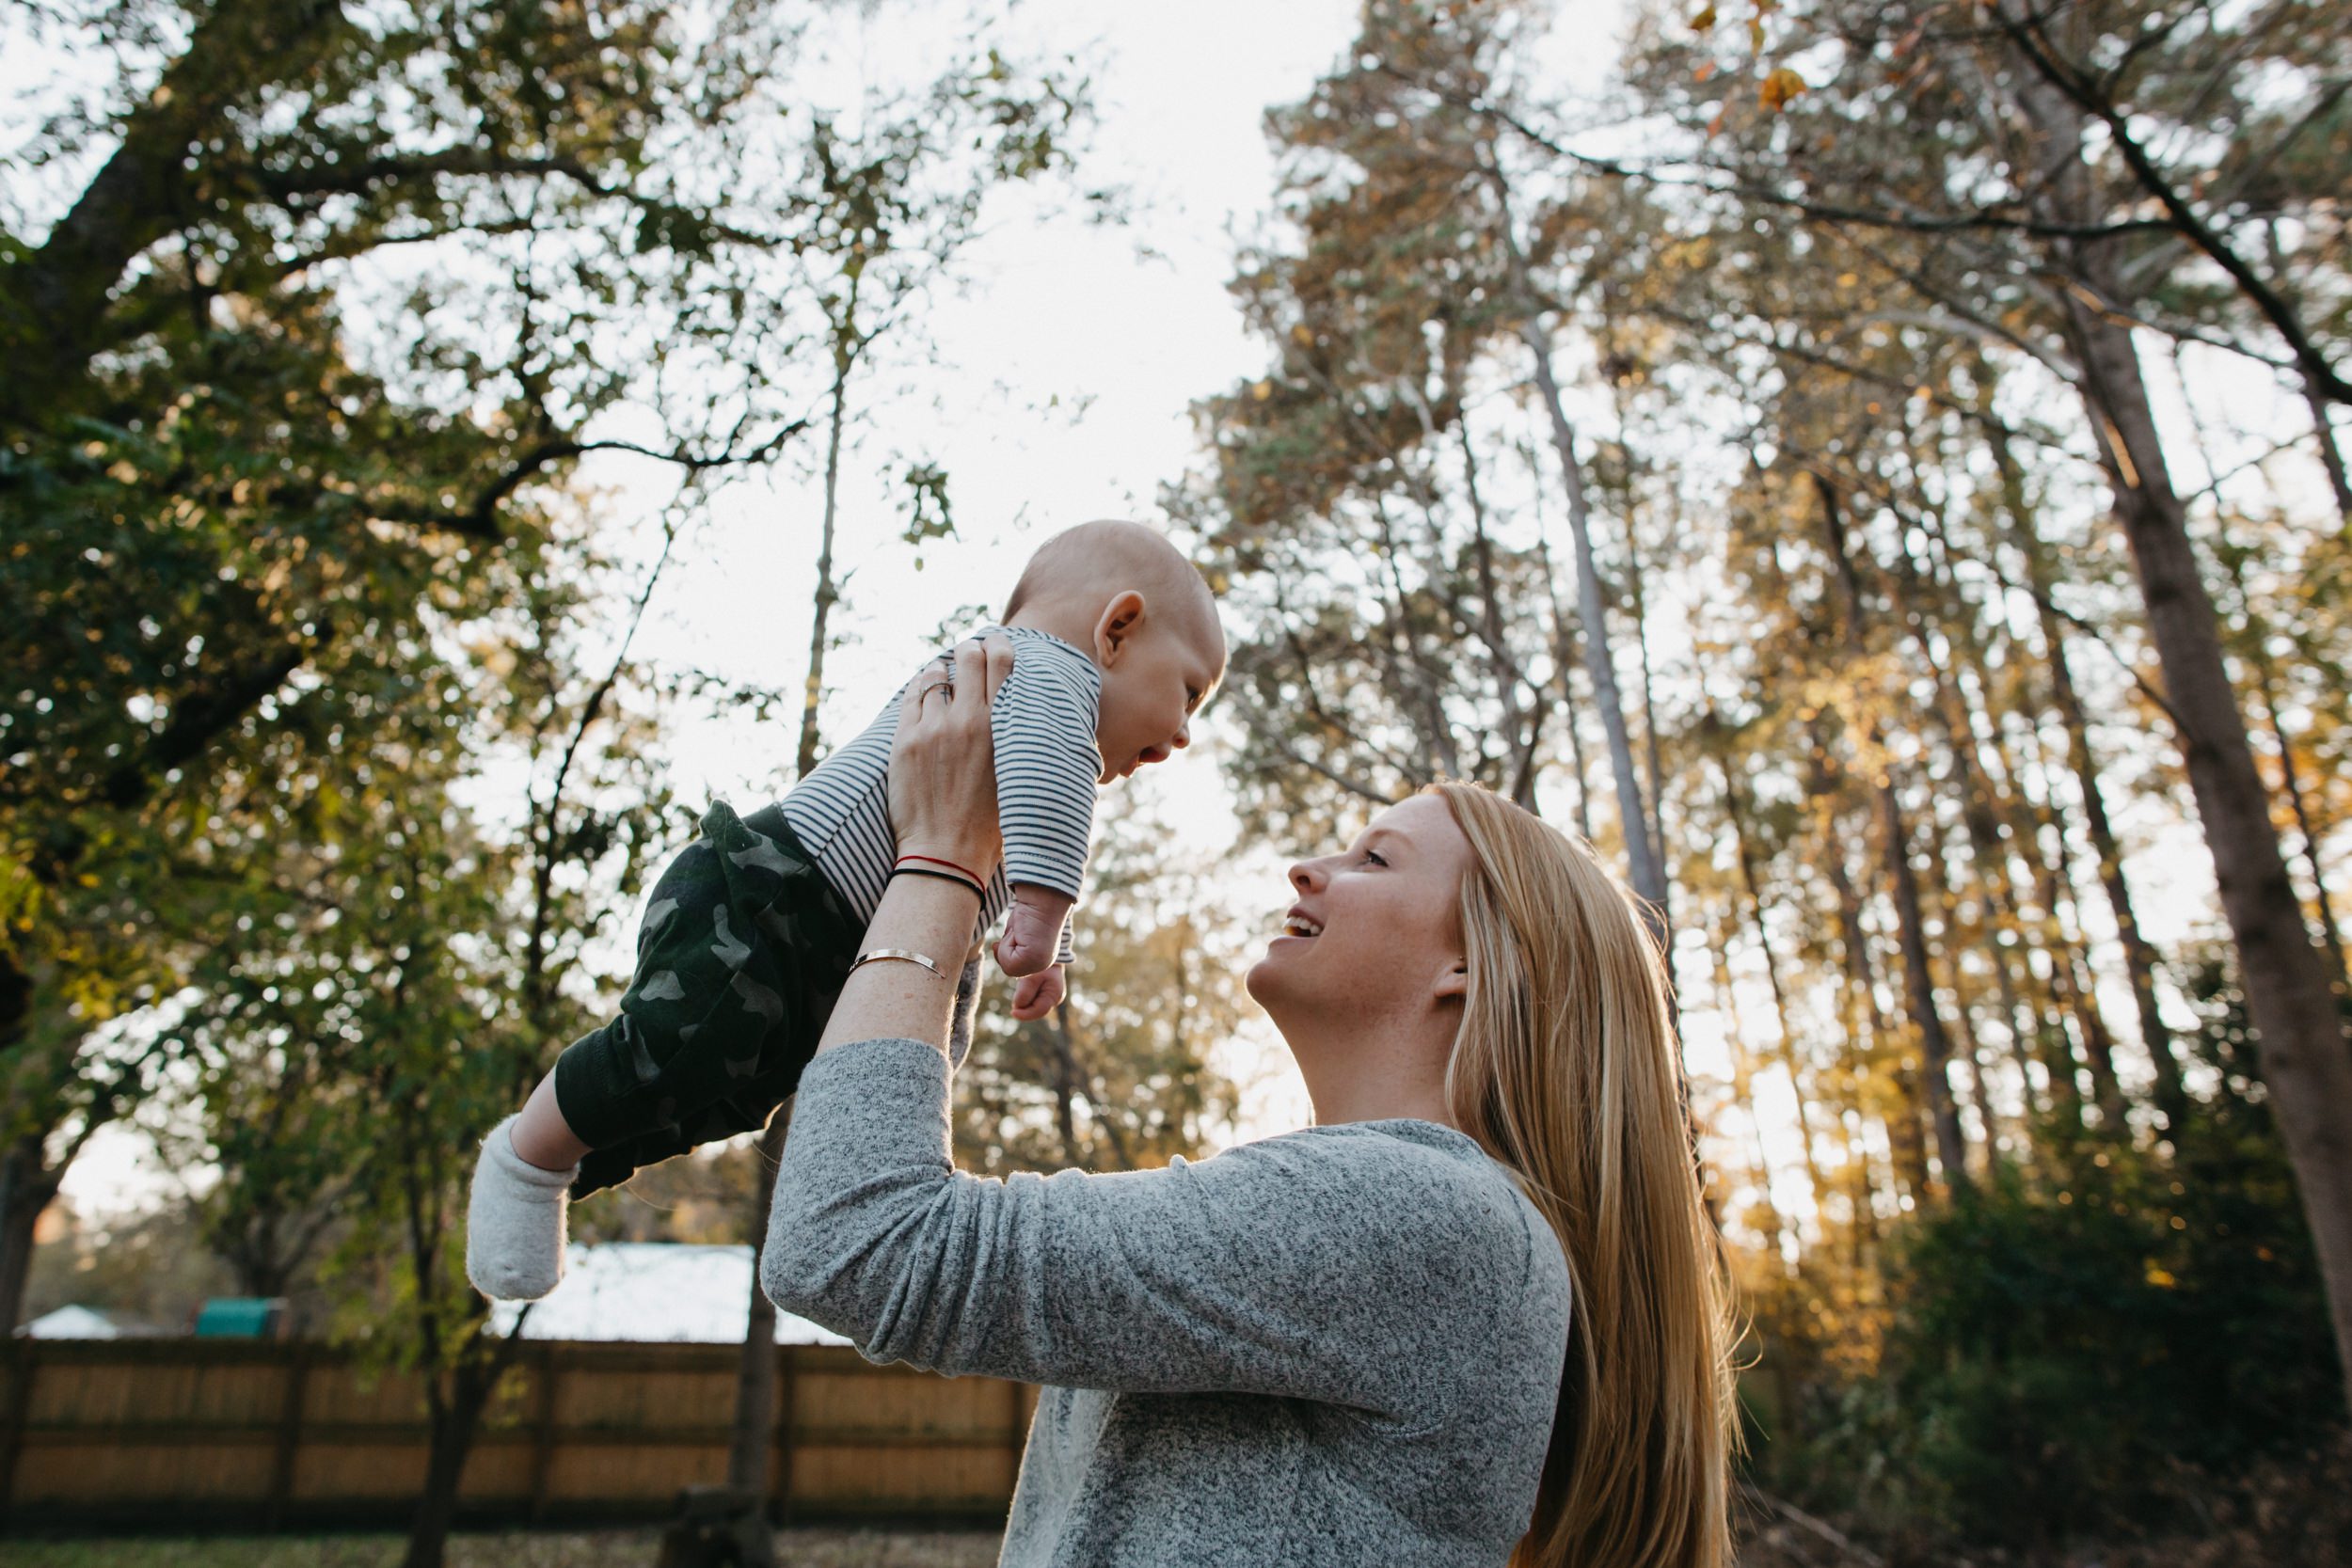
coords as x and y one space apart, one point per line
1454 981
1122 618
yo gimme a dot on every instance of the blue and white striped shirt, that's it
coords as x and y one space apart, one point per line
1047 762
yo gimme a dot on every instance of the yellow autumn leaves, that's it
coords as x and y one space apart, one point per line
1779 85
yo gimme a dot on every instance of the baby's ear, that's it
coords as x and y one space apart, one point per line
1122 619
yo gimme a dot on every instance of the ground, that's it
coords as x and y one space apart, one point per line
632 1548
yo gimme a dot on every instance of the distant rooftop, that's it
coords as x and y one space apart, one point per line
660 1291
87 1322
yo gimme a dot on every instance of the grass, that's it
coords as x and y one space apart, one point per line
617 1549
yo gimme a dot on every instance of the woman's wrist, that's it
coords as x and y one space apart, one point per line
970 855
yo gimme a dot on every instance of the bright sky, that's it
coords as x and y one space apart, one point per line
1124 339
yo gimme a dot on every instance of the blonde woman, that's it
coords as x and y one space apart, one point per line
1474 1315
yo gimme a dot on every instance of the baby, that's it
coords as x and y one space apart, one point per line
753 928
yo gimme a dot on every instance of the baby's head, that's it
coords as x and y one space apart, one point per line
1143 612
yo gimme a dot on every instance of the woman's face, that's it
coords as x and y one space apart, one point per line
1378 927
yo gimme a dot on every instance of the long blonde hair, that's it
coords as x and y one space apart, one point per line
1566 1071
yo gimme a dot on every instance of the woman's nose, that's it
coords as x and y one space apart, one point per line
1303 876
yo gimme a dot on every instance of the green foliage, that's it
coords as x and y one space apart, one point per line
2087 1345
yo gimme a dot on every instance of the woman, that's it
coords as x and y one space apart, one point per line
1351 1344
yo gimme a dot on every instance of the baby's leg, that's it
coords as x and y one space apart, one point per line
746 947
540 1133
515 1216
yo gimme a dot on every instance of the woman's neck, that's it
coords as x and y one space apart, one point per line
1373 1080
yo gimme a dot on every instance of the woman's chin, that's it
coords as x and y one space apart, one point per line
1264 979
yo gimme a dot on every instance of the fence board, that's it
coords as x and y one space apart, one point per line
260 1435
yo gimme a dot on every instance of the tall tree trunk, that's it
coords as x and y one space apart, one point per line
2331 933
1743 1095
1736 813
1990 862
1935 1047
2290 776
1565 660
1645 867
1945 878
2331 454
1522 731
28 1186
828 591
2290 1000
1410 669
453 1417
1647 872
748 1459
1904 1133
2139 956
1655 821
748 1456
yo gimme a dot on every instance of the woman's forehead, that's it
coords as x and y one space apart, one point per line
1422 820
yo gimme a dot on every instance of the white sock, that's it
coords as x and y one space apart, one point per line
515 1222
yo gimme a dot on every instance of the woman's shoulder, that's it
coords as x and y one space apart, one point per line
1440 1204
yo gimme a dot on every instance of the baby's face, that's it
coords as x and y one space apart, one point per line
1151 692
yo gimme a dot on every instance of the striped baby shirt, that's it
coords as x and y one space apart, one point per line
1047 763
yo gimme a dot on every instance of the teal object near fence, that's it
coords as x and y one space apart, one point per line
239 1318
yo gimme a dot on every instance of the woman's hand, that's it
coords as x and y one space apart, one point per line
943 764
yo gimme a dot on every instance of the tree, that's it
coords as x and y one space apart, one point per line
891 199
404 965
235 510
2072 262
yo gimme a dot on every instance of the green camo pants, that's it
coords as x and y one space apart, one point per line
739 960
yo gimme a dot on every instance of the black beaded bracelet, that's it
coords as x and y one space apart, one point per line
964 882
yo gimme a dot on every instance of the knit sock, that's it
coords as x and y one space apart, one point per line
515 1222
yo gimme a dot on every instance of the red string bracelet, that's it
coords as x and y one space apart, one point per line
951 865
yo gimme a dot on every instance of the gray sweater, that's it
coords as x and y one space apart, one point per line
1339 1346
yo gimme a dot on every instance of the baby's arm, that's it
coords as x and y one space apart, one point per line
1043 722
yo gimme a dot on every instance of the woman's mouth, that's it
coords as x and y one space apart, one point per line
1300 927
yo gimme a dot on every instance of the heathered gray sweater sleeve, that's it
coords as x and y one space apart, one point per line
1389 1272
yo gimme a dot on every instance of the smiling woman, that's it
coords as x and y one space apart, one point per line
1348 1344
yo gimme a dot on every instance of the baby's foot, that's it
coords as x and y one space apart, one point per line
515 1222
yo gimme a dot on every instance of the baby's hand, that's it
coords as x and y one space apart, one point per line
1038 995
1032 936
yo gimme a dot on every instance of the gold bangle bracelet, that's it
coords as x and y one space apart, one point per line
904 955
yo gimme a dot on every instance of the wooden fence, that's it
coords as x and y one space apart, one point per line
138 1434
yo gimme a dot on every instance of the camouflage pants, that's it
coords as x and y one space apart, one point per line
739 960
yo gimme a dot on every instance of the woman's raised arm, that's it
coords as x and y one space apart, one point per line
943 807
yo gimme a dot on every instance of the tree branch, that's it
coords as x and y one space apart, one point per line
2035 46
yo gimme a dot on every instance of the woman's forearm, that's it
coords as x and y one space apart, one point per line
895 1000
